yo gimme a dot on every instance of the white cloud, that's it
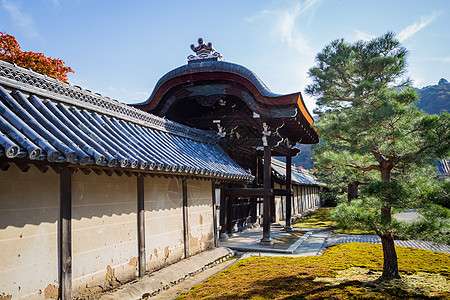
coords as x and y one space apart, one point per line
441 59
22 20
412 29
288 27
284 24
363 35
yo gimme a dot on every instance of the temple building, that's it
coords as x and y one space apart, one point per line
95 192
254 124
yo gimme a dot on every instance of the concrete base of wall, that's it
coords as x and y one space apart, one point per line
157 281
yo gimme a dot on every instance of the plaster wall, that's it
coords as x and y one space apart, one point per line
164 239
298 204
278 204
201 226
104 230
29 210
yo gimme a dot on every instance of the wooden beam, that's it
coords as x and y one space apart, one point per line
213 187
281 192
65 234
247 192
141 224
288 226
253 142
223 215
185 218
267 186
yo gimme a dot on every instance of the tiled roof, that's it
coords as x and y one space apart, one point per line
299 176
44 119
443 166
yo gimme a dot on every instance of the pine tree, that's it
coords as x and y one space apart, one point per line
368 123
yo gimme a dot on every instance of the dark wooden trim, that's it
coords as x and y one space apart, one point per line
230 215
99 170
214 211
252 142
223 215
247 192
267 186
288 189
185 218
281 192
141 225
65 234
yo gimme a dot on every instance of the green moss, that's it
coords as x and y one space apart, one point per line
296 278
321 218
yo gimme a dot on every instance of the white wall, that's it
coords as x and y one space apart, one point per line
164 237
201 226
104 229
29 210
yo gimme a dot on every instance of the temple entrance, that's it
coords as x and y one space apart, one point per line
252 123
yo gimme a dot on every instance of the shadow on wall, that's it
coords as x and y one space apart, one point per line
33 197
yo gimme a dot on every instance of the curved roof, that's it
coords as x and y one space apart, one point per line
290 105
44 119
299 176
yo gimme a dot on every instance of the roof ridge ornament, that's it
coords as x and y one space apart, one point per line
204 52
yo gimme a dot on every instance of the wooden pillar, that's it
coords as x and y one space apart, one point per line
65 234
185 218
302 198
288 226
223 216
267 196
273 210
253 210
214 211
141 224
231 214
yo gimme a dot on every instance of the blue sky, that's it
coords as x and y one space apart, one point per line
121 48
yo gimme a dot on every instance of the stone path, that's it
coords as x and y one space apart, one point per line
339 239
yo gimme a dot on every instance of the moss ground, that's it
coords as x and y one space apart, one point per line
344 271
321 218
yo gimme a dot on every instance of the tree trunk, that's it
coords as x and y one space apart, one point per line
352 192
390 266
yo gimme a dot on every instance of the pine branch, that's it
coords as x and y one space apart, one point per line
365 169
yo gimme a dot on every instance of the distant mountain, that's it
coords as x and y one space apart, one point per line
303 159
435 98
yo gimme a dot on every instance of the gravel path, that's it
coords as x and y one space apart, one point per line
339 239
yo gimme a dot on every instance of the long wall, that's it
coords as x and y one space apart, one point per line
104 224
303 198
104 228
29 213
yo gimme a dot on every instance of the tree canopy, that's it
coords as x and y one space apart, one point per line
52 67
368 125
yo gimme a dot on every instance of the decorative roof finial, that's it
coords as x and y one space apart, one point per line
204 52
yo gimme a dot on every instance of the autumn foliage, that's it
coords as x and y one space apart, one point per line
52 67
